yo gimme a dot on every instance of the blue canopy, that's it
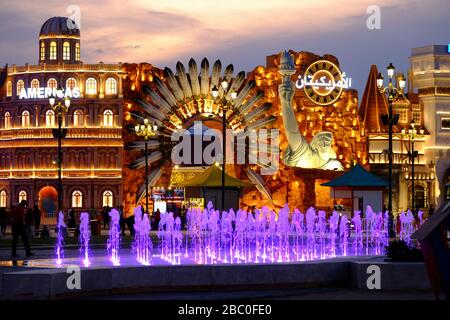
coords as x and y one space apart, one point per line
357 177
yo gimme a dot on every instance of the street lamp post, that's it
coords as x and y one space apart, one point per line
146 130
412 134
226 105
58 107
390 120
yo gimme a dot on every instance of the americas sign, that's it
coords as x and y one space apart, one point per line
45 93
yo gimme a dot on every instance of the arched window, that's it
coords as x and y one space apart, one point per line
111 86
107 198
77 51
108 118
35 84
3 199
22 195
66 50
9 89
20 86
42 50
77 199
71 83
25 118
7 120
91 86
53 50
52 83
78 118
50 118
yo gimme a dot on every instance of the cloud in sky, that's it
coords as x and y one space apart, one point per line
242 32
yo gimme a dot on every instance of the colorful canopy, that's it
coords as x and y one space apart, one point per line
212 177
357 177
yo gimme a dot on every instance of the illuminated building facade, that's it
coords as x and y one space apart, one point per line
430 75
410 110
93 148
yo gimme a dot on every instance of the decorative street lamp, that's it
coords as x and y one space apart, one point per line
226 106
60 106
390 120
413 134
146 130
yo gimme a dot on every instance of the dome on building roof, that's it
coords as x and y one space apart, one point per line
60 26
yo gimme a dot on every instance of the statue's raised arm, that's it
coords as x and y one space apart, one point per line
286 93
295 139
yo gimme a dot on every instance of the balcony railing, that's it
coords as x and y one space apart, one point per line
65 67
397 158
51 173
74 132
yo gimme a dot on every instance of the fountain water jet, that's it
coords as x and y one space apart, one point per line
343 233
142 243
358 238
61 226
85 236
113 243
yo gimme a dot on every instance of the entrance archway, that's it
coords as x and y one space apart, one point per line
48 200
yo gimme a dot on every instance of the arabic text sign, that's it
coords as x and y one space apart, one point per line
323 83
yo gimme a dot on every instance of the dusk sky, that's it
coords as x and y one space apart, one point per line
241 32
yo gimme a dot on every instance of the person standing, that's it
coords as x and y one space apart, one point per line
158 216
29 223
18 228
122 220
129 221
37 218
72 220
3 220
105 217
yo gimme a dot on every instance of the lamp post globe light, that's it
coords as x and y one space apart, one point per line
59 104
146 130
412 134
390 120
226 106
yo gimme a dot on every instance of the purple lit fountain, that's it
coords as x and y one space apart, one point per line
60 239
420 215
343 234
85 236
321 228
142 243
406 226
334 225
113 243
358 237
259 236
310 234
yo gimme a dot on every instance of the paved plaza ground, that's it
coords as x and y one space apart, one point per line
44 249
284 294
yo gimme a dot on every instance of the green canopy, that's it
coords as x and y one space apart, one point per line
212 177
357 177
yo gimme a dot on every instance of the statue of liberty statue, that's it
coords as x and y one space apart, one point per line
315 155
